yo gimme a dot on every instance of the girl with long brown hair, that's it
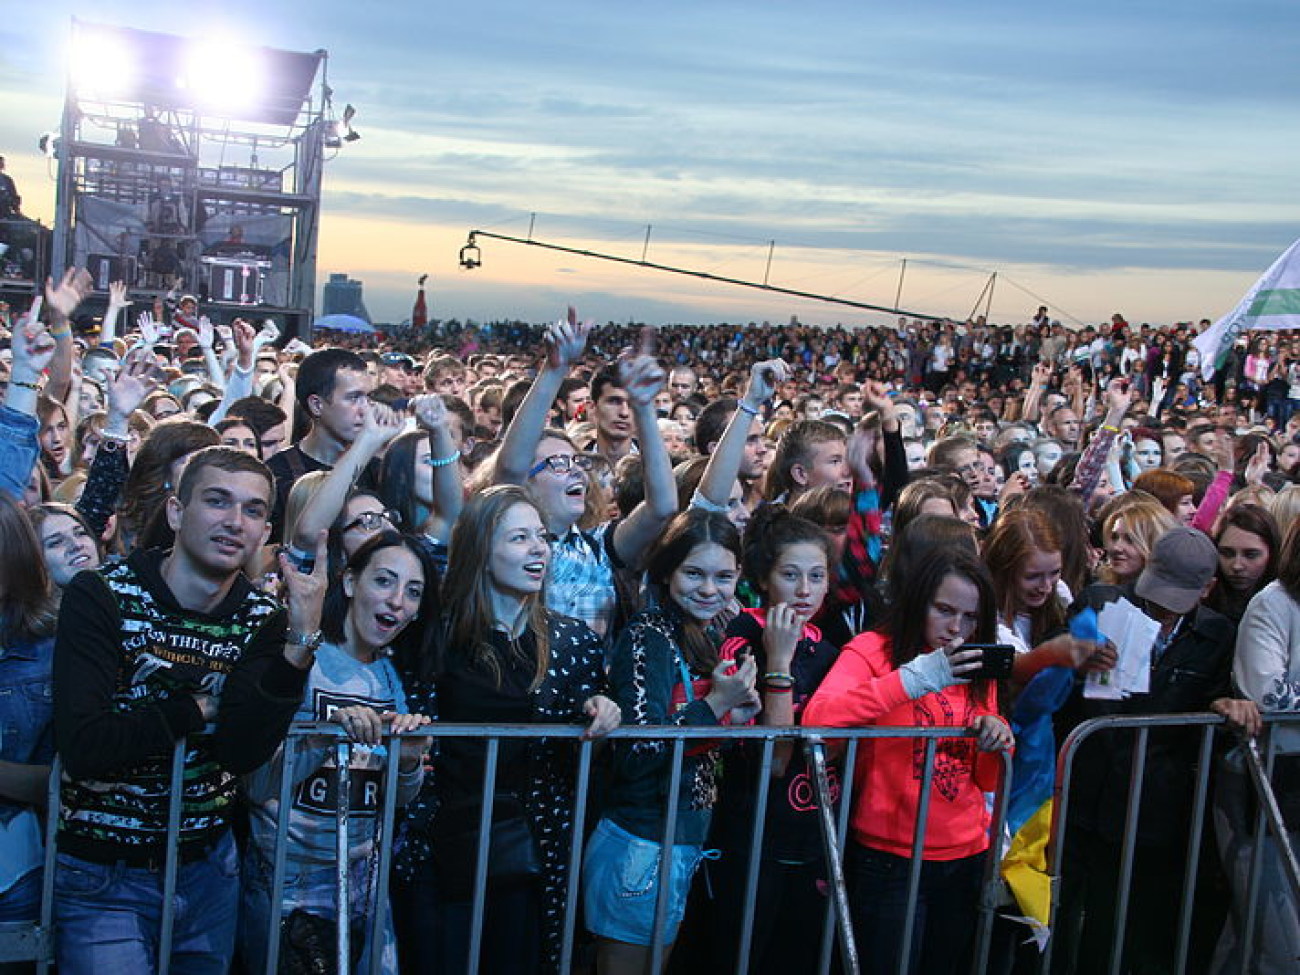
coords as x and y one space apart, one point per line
500 657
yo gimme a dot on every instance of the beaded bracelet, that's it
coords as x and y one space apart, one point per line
443 461
778 675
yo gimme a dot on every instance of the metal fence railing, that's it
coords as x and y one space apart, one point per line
839 747
1268 817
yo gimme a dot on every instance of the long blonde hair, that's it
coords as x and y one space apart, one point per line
467 587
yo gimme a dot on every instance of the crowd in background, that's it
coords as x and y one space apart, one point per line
214 531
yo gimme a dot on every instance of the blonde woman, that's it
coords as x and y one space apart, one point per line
1131 526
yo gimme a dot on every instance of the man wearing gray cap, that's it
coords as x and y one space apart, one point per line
1191 660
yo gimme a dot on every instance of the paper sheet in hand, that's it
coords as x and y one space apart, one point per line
1133 633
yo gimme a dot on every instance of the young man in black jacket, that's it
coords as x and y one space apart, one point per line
150 650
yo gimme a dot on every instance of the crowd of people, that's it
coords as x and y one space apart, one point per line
210 533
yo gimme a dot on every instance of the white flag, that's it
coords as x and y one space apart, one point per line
1272 303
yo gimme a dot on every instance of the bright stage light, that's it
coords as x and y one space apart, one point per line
103 64
223 76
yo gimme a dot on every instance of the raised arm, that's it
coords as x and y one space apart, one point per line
724 463
382 425
1119 395
134 381
61 302
33 347
643 378
894 475
117 303
240 383
1039 379
565 343
448 489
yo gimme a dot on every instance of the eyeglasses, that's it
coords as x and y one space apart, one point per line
563 463
373 520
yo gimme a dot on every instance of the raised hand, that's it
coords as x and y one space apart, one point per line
245 343
566 340
268 334
305 597
137 378
1119 396
1258 465
33 346
149 327
70 292
206 334
764 377
642 377
430 411
117 295
382 424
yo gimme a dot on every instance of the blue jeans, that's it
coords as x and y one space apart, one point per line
108 917
310 887
946 911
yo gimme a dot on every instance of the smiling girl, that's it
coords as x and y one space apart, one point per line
499 657
384 588
669 667
788 560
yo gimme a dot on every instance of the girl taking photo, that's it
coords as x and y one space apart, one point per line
913 672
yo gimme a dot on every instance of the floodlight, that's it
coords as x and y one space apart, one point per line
103 64
222 76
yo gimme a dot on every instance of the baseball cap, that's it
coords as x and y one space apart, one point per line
398 359
1181 564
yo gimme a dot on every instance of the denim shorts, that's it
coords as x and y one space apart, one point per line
620 874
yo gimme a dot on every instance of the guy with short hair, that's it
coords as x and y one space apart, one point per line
151 650
612 410
332 390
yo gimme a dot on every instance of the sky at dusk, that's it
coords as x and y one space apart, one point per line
1133 157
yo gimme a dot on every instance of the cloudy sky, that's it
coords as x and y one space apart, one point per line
1106 156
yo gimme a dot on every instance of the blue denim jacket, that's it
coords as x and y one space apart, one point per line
26 707
18 450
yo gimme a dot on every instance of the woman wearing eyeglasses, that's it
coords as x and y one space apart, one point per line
581 581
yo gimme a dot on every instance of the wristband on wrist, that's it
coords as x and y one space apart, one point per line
746 408
774 689
308 641
34 387
1111 427
443 461
778 675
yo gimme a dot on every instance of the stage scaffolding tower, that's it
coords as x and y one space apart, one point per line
187 163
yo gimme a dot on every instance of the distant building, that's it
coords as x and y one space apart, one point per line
343 297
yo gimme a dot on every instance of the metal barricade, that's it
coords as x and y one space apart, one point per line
1268 816
813 741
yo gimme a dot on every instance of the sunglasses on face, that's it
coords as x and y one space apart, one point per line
563 463
372 520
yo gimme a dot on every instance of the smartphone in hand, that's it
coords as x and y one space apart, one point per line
995 660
